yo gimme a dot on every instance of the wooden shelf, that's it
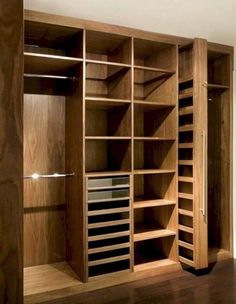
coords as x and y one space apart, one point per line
153 265
108 137
108 236
108 248
107 173
50 64
186 111
186 245
187 79
154 138
105 103
113 199
115 64
143 233
185 145
185 95
108 211
153 171
186 229
109 187
185 162
186 261
152 203
185 179
144 106
186 128
212 86
160 74
186 212
109 260
108 224
152 69
186 196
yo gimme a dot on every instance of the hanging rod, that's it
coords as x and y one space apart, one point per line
49 76
54 175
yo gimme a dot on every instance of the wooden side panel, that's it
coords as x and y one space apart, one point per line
11 152
75 129
44 199
200 153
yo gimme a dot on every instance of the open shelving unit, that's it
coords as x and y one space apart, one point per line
110 156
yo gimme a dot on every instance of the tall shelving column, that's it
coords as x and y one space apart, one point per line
155 154
108 153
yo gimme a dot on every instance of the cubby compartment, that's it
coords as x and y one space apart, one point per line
154 74
152 252
185 204
53 39
107 155
52 51
154 187
156 123
101 46
153 54
154 154
154 222
186 237
108 81
218 64
185 187
185 220
108 119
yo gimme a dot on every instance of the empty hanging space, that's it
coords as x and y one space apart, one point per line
219 154
52 168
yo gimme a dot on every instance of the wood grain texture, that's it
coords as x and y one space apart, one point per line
98 26
75 187
44 199
200 165
11 151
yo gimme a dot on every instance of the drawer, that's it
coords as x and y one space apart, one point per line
108 183
108 195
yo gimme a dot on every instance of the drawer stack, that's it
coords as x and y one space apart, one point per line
109 224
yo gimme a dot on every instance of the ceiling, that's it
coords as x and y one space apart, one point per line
211 19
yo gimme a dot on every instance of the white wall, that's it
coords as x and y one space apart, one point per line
214 20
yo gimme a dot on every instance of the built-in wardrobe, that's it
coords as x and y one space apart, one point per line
127 155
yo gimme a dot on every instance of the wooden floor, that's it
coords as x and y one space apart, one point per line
219 286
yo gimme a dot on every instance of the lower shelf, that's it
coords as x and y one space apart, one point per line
49 277
155 264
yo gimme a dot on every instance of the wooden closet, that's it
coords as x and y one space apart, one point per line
127 155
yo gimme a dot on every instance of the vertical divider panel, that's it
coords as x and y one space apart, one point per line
132 159
75 188
11 161
200 153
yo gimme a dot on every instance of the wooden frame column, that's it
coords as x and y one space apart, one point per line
11 151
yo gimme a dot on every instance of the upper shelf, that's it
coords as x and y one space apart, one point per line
54 39
108 47
36 63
